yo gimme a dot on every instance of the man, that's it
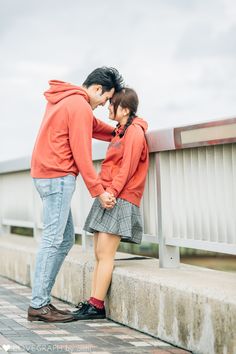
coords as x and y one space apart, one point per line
62 151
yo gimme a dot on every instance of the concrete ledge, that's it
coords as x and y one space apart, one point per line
191 307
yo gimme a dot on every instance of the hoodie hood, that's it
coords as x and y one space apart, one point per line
141 122
136 121
60 89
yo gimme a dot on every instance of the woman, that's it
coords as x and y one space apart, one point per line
123 174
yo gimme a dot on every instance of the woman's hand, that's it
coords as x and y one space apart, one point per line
107 200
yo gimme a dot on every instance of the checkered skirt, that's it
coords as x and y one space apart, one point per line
123 220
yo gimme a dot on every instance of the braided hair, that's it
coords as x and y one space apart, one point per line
126 98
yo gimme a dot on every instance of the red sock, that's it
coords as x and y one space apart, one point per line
99 304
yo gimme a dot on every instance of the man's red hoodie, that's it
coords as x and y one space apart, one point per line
125 167
64 142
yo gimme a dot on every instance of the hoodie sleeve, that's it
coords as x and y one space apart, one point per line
133 147
101 130
80 135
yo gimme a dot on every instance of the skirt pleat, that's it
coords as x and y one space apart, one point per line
123 220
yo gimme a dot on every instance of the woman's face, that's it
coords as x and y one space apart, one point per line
121 113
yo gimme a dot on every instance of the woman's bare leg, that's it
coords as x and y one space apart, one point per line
106 248
95 241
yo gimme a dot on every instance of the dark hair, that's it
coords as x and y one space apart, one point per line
107 77
126 98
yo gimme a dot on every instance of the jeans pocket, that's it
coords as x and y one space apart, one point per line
47 186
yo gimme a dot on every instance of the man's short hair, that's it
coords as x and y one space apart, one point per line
107 77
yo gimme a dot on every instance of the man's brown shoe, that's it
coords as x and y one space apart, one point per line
63 312
47 314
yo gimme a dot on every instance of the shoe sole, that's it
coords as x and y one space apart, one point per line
90 318
32 319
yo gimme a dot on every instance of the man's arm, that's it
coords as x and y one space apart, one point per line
80 122
101 130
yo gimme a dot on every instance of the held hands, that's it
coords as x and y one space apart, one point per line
107 200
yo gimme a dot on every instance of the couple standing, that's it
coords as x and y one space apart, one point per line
62 151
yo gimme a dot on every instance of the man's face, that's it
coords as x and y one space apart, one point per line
97 98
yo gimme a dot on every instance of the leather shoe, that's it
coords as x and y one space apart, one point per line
47 314
89 312
81 306
63 312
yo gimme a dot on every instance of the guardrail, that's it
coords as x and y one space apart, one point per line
189 198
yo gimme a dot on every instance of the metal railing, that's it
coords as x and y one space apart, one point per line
189 198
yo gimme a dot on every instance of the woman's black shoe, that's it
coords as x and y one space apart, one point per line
82 306
89 312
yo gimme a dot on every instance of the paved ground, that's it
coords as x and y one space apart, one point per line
19 336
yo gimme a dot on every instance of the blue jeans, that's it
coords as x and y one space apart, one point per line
57 237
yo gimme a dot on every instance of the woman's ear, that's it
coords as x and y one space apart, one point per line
126 111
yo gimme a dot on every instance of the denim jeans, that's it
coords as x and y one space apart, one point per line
57 237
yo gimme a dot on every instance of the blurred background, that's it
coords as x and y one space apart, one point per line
180 57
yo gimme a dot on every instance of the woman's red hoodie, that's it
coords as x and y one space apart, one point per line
125 167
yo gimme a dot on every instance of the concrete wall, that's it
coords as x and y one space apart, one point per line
190 307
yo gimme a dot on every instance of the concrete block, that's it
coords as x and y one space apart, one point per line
193 308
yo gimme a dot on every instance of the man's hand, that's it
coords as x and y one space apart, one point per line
107 200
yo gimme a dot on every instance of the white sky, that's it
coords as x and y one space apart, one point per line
179 55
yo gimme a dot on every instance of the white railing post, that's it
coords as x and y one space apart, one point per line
168 255
87 241
4 229
1 212
83 241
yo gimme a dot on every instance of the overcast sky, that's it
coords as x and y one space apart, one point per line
179 55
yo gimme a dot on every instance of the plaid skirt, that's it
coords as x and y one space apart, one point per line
123 220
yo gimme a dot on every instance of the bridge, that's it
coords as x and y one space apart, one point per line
189 201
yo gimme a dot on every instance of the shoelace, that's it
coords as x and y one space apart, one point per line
45 310
81 304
